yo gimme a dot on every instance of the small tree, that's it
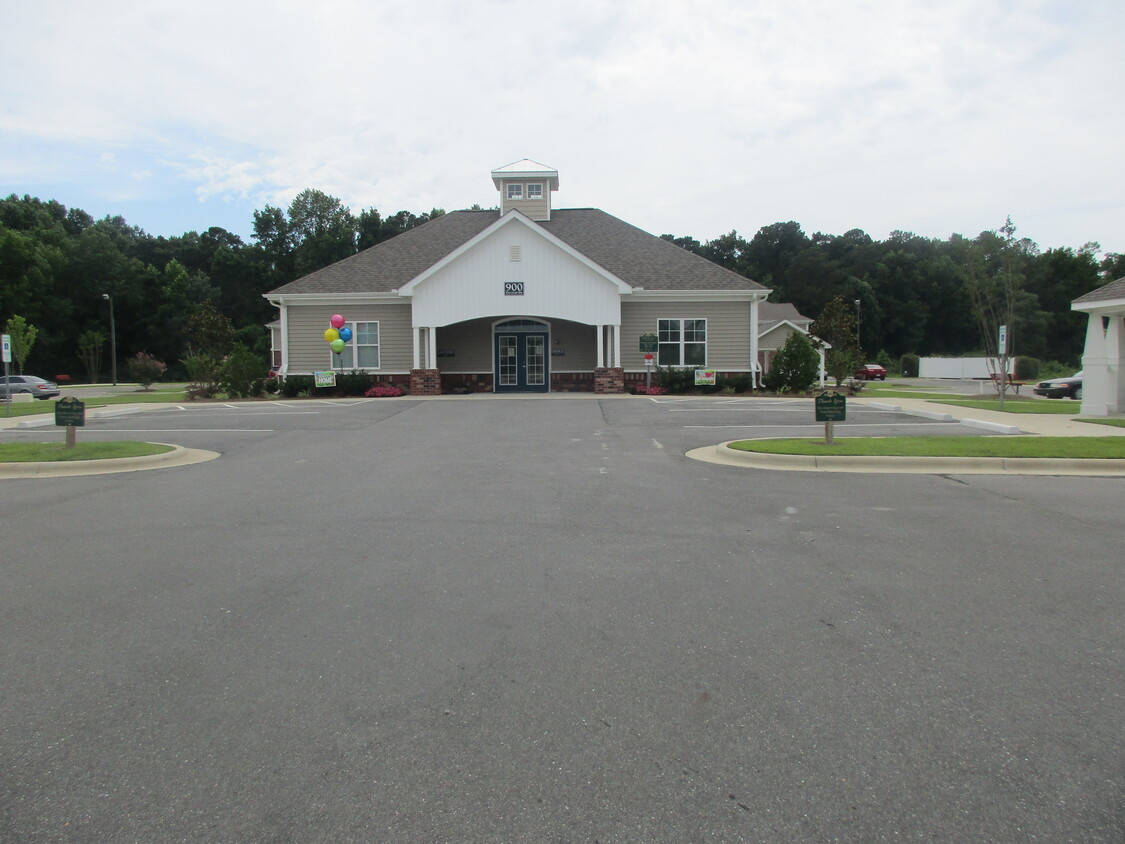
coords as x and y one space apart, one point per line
91 344
796 366
241 373
203 375
145 369
23 338
836 326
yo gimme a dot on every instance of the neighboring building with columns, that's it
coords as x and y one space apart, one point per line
1103 372
527 298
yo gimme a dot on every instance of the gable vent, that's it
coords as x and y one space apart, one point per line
514 253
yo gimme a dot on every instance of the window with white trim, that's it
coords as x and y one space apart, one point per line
535 191
362 351
515 191
683 342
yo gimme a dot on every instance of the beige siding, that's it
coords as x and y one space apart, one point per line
776 338
308 351
728 330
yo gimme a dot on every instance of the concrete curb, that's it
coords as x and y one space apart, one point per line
178 456
723 455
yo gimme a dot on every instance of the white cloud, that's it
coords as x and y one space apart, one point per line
692 118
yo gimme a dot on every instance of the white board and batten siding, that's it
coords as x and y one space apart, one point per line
728 331
309 352
472 285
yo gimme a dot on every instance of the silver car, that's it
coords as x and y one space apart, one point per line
38 387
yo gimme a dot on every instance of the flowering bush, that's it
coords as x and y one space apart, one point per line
654 390
145 369
384 391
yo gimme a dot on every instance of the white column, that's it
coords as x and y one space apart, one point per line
754 378
600 331
1114 350
1096 387
284 339
431 347
617 345
417 338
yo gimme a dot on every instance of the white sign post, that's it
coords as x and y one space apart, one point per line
6 342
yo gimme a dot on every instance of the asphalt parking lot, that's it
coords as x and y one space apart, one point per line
530 620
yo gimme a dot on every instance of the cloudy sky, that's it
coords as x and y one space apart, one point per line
691 118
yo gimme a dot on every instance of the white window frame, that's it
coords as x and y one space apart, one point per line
353 347
515 190
534 190
680 343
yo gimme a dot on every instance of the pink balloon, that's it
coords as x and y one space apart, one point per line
336 320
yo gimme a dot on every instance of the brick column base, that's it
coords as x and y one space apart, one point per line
425 382
609 379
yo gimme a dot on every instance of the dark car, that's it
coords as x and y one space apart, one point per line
1058 388
38 387
871 372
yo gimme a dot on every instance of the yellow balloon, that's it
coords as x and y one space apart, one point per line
331 334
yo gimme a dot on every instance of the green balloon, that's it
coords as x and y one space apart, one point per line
338 345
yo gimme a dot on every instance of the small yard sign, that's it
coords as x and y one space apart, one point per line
704 377
324 379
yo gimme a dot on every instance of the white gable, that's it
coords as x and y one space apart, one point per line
486 276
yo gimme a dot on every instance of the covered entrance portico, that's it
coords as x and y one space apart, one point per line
1103 359
508 354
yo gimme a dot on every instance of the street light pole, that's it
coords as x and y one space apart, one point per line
112 338
859 346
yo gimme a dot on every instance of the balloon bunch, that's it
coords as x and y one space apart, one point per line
338 335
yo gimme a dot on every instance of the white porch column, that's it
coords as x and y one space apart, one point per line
1096 386
754 366
1114 352
600 331
616 345
417 332
431 347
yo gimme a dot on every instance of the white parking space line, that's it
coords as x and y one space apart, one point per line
839 425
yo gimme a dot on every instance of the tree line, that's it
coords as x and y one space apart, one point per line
175 298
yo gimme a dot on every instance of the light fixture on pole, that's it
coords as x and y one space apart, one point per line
112 338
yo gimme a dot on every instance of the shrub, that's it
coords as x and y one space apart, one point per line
676 379
240 375
884 360
354 383
203 375
1026 369
909 364
296 385
384 391
796 366
735 383
145 369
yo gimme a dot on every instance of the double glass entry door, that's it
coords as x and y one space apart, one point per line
521 363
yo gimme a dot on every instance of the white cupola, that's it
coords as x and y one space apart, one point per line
526 186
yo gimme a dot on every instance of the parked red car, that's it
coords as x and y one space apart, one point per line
871 372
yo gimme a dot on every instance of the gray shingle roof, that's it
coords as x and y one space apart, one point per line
636 257
1108 292
771 313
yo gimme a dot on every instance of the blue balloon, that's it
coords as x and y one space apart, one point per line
345 334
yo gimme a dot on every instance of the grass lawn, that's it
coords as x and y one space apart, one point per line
1068 447
1113 423
58 452
37 407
